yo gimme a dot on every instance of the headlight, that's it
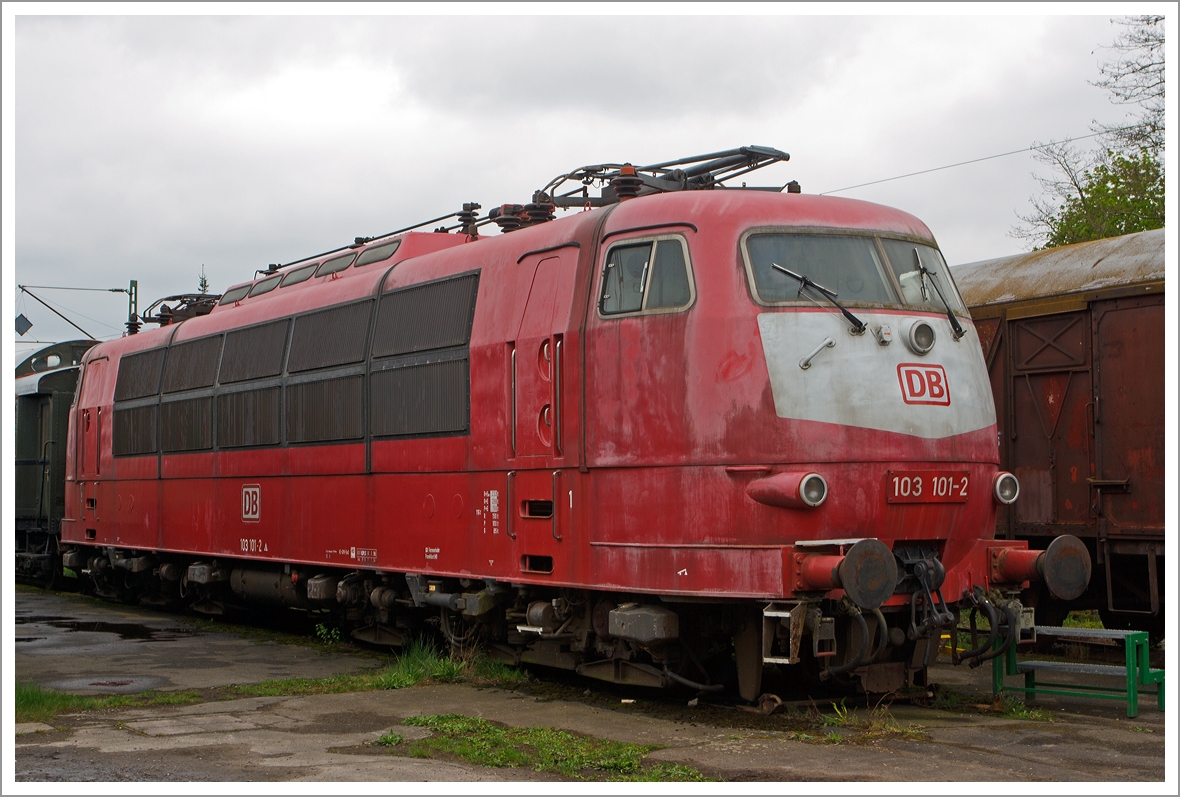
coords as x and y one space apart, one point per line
813 489
1006 488
918 335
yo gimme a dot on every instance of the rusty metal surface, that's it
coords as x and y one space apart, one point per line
1094 265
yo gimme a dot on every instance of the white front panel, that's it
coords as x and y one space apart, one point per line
859 382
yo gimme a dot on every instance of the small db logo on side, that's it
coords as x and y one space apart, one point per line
251 501
923 384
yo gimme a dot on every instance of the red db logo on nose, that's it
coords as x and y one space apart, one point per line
923 384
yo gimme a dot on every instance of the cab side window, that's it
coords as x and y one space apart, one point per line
647 276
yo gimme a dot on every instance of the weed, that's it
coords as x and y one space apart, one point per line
839 718
492 671
34 704
1087 619
1014 709
390 739
1142 730
327 635
479 741
872 725
419 662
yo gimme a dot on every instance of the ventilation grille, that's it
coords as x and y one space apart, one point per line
426 317
139 375
254 352
330 337
135 430
331 409
421 399
186 425
248 418
191 365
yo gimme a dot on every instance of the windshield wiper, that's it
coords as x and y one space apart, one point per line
925 272
858 326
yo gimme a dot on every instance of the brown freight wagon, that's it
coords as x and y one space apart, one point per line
1074 342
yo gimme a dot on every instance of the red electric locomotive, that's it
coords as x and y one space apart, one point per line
687 426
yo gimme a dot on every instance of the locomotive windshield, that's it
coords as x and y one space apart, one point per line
858 269
849 265
916 288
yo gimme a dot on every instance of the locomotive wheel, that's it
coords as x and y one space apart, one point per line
747 645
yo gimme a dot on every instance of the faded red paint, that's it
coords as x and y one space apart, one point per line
651 410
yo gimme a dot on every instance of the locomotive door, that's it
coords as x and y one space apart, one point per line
539 365
88 432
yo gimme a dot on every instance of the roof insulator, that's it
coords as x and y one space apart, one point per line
467 219
627 184
507 217
793 187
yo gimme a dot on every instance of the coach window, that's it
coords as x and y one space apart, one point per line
650 276
235 294
298 275
334 265
265 286
378 253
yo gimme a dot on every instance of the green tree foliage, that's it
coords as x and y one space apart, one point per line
1121 194
1119 189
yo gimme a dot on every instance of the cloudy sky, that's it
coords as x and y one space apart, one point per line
148 147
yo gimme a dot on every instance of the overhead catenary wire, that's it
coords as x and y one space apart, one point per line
25 289
1030 148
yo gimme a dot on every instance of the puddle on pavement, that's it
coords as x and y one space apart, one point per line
125 631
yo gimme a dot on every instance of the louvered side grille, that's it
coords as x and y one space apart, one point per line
421 399
186 425
426 317
254 352
135 431
192 364
248 418
139 374
330 409
330 337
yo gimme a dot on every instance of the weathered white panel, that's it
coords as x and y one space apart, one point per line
855 382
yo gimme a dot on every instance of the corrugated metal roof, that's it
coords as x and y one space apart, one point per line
1093 265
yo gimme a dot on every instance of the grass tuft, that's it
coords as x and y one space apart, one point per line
36 704
419 662
485 743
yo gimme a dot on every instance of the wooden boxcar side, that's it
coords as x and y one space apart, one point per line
1074 342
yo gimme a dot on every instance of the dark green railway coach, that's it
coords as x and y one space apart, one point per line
45 384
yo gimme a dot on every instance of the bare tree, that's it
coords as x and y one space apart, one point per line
1118 188
1136 77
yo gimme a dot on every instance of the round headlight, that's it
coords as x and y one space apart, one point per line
1007 489
918 335
813 489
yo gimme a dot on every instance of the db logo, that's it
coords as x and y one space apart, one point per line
251 501
923 384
